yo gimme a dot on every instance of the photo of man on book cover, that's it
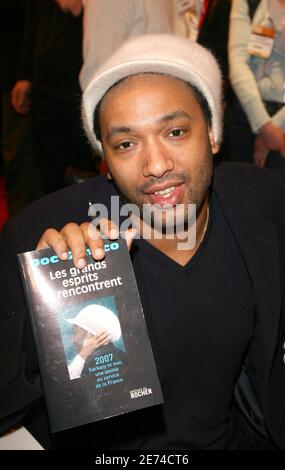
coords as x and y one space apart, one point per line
93 340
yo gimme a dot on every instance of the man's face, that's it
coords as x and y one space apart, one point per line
156 142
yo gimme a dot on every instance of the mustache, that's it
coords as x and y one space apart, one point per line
180 177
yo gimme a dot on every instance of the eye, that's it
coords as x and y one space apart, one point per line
177 133
124 145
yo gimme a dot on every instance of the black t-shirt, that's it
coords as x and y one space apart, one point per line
200 319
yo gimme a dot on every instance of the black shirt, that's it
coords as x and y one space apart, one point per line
200 319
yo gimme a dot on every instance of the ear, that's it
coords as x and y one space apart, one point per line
214 146
104 167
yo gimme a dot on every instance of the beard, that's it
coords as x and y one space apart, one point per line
173 219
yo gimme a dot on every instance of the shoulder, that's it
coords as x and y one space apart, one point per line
245 188
247 178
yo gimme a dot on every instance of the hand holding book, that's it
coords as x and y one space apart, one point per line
93 342
75 237
90 334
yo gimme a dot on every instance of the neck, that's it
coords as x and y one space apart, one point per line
175 247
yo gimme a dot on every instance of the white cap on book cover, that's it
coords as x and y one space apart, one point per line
96 318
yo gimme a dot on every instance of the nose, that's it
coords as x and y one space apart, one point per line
157 160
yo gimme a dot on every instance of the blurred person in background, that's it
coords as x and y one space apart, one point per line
256 121
200 20
21 175
108 23
49 89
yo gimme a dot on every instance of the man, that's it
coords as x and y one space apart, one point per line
212 310
50 62
85 344
108 23
94 327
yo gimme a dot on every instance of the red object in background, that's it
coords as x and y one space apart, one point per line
103 168
3 203
203 13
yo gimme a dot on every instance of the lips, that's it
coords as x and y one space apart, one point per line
169 194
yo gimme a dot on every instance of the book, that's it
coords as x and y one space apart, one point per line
90 335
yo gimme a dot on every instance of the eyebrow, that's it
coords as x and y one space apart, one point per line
173 115
165 118
119 130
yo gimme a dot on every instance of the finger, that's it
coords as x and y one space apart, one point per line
109 229
104 341
102 334
258 162
129 236
261 160
255 158
75 240
258 157
93 240
105 337
99 333
51 238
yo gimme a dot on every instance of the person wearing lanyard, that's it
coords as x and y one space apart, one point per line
256 119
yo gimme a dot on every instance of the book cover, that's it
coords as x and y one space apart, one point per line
90 335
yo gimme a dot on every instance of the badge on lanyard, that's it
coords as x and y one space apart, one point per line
187 9
184 5
261 40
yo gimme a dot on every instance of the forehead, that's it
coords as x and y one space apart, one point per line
138 92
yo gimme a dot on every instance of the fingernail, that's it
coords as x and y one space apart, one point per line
99 253
81 263
113 233
133 233
130 234
64 255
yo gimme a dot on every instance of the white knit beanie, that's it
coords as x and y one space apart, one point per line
157 53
